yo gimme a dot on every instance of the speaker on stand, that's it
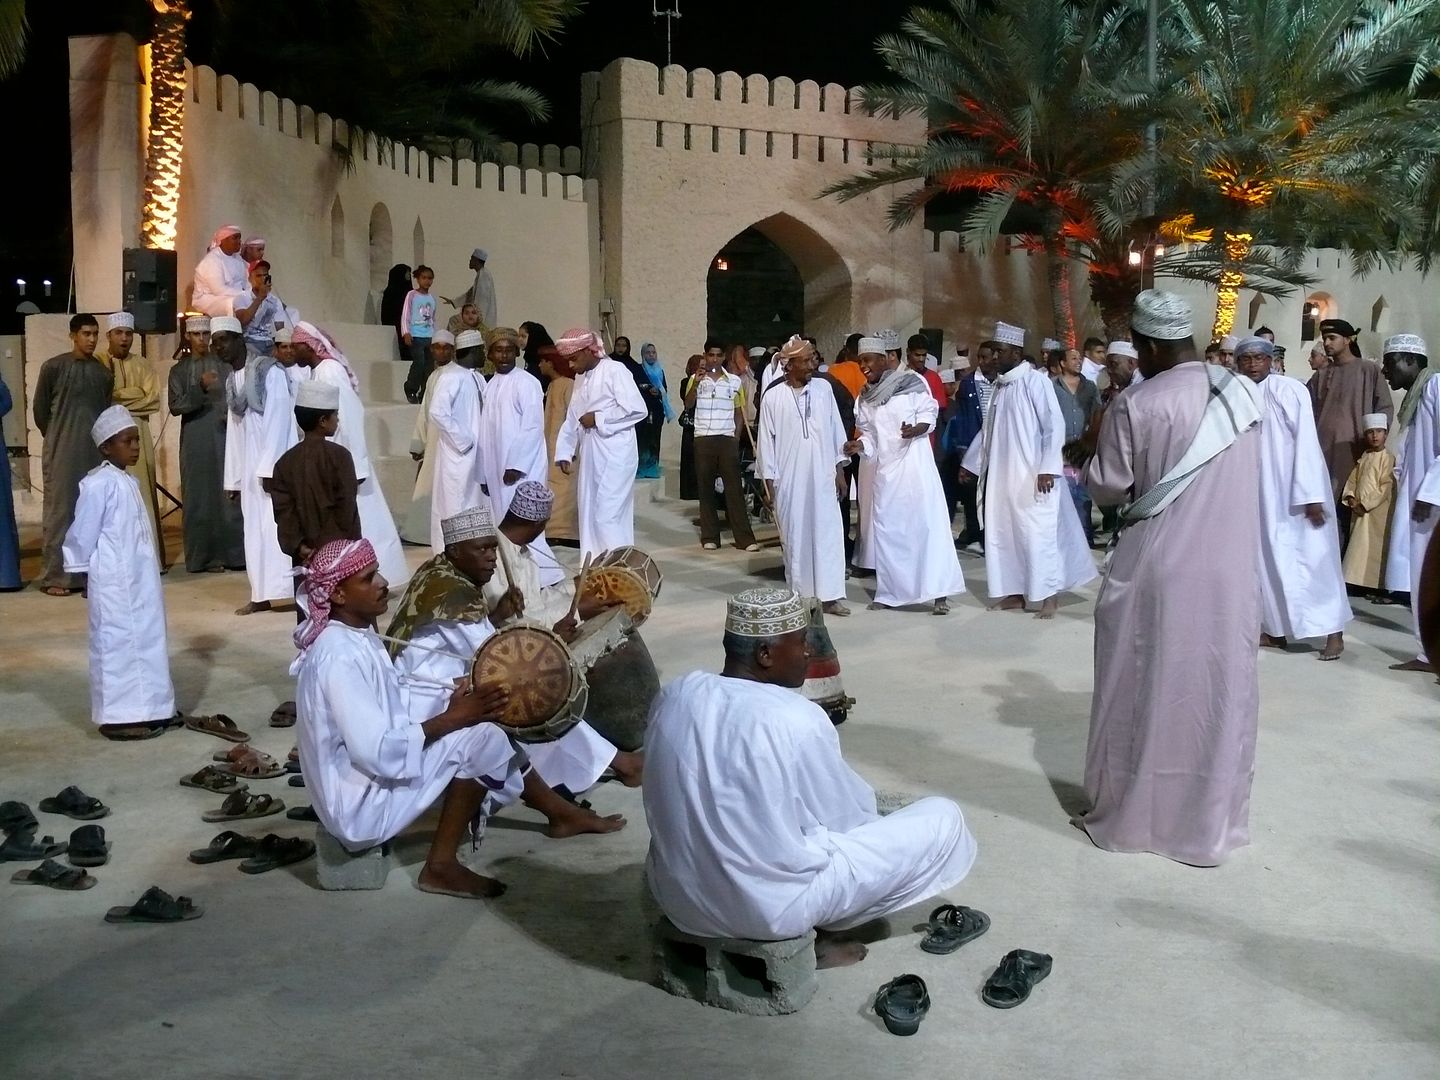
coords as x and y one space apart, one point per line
148 289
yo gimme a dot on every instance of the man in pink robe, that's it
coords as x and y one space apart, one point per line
1172 726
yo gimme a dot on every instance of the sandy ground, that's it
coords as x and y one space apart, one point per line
1312 954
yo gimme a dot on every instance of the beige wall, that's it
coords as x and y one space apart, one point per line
759 152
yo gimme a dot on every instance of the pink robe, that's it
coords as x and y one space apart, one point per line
1172 726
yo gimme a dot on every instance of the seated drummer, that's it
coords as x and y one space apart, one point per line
444 609
758 827
369 768
524 522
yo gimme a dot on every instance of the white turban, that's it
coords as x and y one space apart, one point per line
1161 315
110 423
119 320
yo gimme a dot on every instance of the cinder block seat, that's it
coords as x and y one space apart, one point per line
340 870
758 978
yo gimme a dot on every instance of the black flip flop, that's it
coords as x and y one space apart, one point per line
74 803
1015 978
54 876
226 845
902 1003
302 813
20 846
132 732
16 817
156 906
952 925
298 780
277 851
88 846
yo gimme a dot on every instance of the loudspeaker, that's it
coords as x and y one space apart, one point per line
936 337
148 289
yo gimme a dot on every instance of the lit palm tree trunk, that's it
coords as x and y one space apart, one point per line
166 139
1057 271
1237 246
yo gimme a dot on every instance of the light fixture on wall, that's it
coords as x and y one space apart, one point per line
1135 258
1312 310
20 284
47 283
722 264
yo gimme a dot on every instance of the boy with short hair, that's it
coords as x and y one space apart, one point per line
313 486
417 327
131 694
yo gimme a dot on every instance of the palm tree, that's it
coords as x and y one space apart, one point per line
1031 106
14 30
164 143
1305 125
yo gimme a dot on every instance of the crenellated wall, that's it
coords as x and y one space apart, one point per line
687 159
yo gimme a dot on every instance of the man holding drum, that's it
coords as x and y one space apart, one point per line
443 620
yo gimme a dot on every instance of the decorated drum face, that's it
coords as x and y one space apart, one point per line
547 689
627 576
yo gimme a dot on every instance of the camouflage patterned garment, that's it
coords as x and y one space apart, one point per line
437 591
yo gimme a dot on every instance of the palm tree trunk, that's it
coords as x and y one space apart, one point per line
166 140
1114 284
1057 271
1237 246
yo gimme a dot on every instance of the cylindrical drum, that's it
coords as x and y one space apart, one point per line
822 676
622 679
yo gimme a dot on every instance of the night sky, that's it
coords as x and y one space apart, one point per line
799 38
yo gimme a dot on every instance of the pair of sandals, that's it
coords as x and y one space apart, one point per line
241 805
19 826
245 762
258 854
904 1001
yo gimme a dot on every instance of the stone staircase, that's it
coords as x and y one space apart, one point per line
389 418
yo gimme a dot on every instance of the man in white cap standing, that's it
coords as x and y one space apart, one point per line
1227 351
758 827
1172 726
482 291
1035 547
137 390
1406 364
131 695
1302 587
261 428
599 430
909 529
455 410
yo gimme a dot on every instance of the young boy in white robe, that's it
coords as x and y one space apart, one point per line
131 695
758 827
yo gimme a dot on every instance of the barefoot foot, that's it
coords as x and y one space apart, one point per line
1412 665
1269 641
835 607
252 607
830 953
454 879
1007 603
575 820
1048 607
1334 646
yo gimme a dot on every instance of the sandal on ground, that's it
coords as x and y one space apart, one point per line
277 851
235 753
226 845
302 813
132 732
902 1003
284 715
219 725
54 876
242 805
212 779
58 590
952 925
88 846
1015 978
253 765
74 803
20 846
16 817
156 906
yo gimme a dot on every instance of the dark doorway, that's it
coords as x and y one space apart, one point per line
755 295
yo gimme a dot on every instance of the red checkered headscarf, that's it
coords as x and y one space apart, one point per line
574 342
309 334
327 568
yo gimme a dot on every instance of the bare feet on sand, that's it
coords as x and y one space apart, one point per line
455 879
1334 646
1412 665
252 607
1008 603
1048 607
833 953
1269 641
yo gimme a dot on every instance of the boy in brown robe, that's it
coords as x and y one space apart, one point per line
313 487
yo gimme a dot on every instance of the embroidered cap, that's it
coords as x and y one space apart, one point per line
226 324
1161 315
532 501
469 339
284 336
197 324
891 338
1121 348
502 333
1006 334
1050 345
765 612
443 337
477 523
119 320
873 345
317 394
1411 343
110 423
1376 421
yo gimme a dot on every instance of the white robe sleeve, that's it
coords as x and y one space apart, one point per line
1110 475
374 746
445 415
865 421
765 453
524 424
277 431
628 408
977 453
567 440
83 536
1310 478
1051 421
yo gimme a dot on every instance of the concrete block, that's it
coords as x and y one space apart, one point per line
757 978
340 870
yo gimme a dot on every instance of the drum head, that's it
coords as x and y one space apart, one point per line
532 663
638 561
611 584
